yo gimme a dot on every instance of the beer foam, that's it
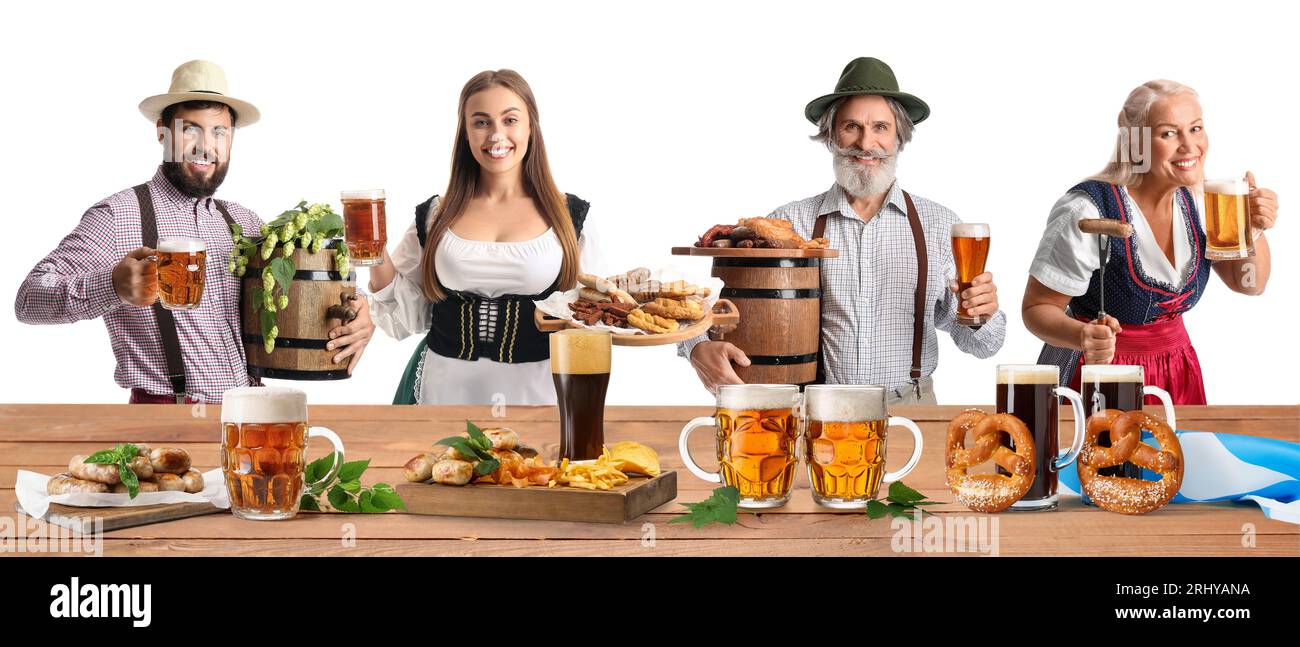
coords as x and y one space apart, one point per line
181 244
365 194
263 404
757 396
845 403
1113 373
1229 186
970 230
580 352
1028 374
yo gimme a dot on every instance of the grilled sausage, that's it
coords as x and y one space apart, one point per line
452 472
419 469
502 438
169 460
107 473
193 480
66 483
145 486
168 482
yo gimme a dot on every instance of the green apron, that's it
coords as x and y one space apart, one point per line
406 387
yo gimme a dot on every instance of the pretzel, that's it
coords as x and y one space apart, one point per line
1128 495
989 492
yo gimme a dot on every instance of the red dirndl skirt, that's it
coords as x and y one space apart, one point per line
1165 353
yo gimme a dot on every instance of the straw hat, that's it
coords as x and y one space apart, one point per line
199 81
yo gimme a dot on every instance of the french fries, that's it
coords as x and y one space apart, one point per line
598 475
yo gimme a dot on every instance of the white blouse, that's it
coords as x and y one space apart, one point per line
489 269
1067 257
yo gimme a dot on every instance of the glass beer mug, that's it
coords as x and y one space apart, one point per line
264 436
845 429
756 434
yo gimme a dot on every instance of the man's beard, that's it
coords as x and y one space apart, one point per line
192 186
861 181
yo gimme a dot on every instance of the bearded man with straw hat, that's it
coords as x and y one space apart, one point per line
106 267
891 286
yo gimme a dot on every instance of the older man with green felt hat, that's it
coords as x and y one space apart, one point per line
893 284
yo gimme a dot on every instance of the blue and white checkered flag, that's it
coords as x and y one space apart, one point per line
1229 467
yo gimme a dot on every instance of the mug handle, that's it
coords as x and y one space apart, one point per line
1080 421
899 421
1166 400
702 421
321 432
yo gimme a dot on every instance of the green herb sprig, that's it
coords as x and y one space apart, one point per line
476 446
121 456
903 501
720 507
344 492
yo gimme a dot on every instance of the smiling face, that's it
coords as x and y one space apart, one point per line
1178 141
866 143
198 154
497 128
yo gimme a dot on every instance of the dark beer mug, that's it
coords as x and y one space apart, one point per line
580 368
1030 393
1122 387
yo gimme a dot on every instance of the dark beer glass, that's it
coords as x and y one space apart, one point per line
580 368
1030 393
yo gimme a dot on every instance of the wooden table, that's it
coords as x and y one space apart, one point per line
43 437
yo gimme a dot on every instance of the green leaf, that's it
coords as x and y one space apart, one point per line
258 294
720 507
486 466
128 477
308 502
351 486
103 457
365 504
342 501
351 471
268 322
385 498
875 509
382 487
282 269
474 432
127 450
317 469
901 493
451 441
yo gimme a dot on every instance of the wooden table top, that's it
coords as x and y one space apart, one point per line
43 437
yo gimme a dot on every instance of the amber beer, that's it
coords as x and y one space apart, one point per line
1228 232
756 435
365 226
1122 387
580 369
264 450
1030 393
970 250
844 443
181 264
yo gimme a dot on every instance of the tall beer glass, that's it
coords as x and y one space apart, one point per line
1030 393
1228 232
970 250
845 429
264 450
181 264
365 226
756 434
580 369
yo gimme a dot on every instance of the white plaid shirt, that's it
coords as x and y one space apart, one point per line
75 282
867 291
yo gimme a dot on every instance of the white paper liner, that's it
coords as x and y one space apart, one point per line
30 490
557 304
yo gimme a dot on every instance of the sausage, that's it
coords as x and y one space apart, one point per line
450 454
141 449
145 486
168 482
66 483
193 481
1106 227
419 469
169 460
452 472
107 473
502 438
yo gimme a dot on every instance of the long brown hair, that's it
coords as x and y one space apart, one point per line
538 182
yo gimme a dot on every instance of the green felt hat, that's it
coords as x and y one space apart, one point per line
867 75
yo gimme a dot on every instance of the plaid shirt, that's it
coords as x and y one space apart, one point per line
75 282
867 292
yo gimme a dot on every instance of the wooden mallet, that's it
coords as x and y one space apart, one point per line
1104 227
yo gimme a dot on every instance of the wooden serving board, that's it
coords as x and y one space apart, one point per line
623 503
755 253
82 520
724 314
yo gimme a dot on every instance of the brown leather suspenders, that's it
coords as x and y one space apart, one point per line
166 321
918 298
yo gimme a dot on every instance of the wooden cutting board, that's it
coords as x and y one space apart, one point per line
82 520
623 503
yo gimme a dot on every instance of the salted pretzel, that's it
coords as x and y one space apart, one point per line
1122 494
989 492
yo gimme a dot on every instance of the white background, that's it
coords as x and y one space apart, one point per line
667 116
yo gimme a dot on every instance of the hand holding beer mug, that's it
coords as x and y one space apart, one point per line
844 443
264 438
756 435
580 369
181 265
365 226
970 251
1030 393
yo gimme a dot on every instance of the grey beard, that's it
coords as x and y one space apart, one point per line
861 182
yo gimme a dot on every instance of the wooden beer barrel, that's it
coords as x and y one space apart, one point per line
778 293
304 326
